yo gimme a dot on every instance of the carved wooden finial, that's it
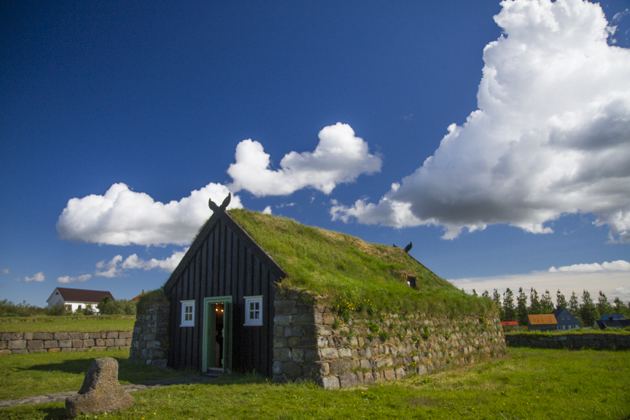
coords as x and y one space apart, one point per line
226 202
223 206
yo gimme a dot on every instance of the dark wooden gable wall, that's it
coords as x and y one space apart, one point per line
223 261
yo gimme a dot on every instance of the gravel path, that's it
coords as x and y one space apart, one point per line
61 396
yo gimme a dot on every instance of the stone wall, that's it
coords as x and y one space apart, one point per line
18 343
341 350
571 341
150 335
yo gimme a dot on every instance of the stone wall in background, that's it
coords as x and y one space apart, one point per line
18 343
150 335
344 349
601 341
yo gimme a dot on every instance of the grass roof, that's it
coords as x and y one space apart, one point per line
344 268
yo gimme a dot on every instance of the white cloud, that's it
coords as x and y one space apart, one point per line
124 217
6 271
117 267
68 279
38 277
109 269
340 157
168 264
551 135
619 265
267 210
623 292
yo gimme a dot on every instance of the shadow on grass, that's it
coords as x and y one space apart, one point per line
55 413
127 371
136 373
50 411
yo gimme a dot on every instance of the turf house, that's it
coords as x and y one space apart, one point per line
265 294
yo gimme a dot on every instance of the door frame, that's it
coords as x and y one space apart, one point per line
209 327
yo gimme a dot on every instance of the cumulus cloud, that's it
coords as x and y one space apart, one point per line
267 210
109 269
168 264
6 271
68 279
124 217
619 265
117 266
340 157
551 135
38 277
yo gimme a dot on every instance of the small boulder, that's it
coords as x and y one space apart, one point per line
100 392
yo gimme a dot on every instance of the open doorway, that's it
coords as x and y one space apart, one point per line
217 335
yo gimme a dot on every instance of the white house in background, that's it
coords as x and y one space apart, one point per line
77 299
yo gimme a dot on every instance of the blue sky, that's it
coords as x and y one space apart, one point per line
492 135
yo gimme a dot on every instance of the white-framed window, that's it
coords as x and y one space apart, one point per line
253 311
188 313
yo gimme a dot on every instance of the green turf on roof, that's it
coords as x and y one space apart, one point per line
336 266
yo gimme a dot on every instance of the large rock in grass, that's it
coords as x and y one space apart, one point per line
100 392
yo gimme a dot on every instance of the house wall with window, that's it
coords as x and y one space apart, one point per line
77 299
221 300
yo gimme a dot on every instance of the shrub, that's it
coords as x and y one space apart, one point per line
8 308
425 333
88 310
148 298
59 309
109 306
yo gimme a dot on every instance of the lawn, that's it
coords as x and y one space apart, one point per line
24 375
75 323
526 384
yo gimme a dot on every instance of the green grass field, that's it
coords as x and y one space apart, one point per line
526 384
577 331
79 323
24 375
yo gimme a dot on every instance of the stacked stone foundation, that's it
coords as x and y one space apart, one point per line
314 341
150 335
41 342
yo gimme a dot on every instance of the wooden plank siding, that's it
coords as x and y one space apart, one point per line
223 261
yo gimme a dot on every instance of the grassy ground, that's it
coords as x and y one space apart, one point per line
576 331
24 375
526 384
68 323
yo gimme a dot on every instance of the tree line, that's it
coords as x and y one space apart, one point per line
107 306
516 308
